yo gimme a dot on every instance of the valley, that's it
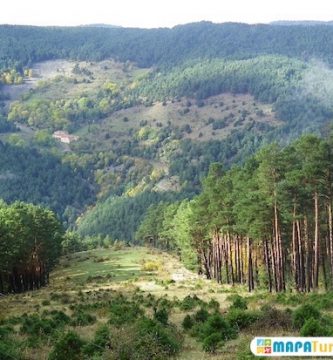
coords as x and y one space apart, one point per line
164 190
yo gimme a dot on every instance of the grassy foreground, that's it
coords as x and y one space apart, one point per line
104 296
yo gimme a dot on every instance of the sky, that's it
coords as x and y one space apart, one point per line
159 13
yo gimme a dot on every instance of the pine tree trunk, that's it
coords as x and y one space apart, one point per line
226 262
2 290
308 267
249 265
295 255
230 259
301 270
330 235
268 264
206 265
316 243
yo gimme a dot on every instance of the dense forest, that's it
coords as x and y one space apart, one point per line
267 223
24 45
125 161
41 178
30 244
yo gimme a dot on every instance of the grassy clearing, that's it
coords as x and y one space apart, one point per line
225 108
87 287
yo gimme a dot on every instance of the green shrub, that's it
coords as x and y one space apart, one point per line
124 313
162 316
188 322
244 352
303 313
68 347
59 317
101 341
190 302
81 318
213 304
217 324
33 325
241 319
134 342
5 331
9 350
167 338
211 342
238 302
314 327
201 315
271 317
289 299
321 301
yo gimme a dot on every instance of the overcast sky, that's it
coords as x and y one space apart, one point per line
159 13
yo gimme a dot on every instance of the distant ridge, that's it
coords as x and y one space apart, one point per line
101 25
301 22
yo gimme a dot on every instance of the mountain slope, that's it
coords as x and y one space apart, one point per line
149 126
24 45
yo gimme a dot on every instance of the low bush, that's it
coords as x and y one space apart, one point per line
5 331
59 317
271 318
151 266
303 313
314 327
9 350
290 299
237 302
35 326
102 341
122 312
211 342
244 352
213 304
167 338
321 301
190 302
68 347
81 318
241 319
188 322
217 324
201 315
162 316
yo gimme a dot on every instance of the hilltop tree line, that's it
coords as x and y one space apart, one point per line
267 223
30 243
23 45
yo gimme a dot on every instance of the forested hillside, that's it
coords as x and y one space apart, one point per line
151 110
265 223
24 45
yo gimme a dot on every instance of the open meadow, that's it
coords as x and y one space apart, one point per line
107 292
